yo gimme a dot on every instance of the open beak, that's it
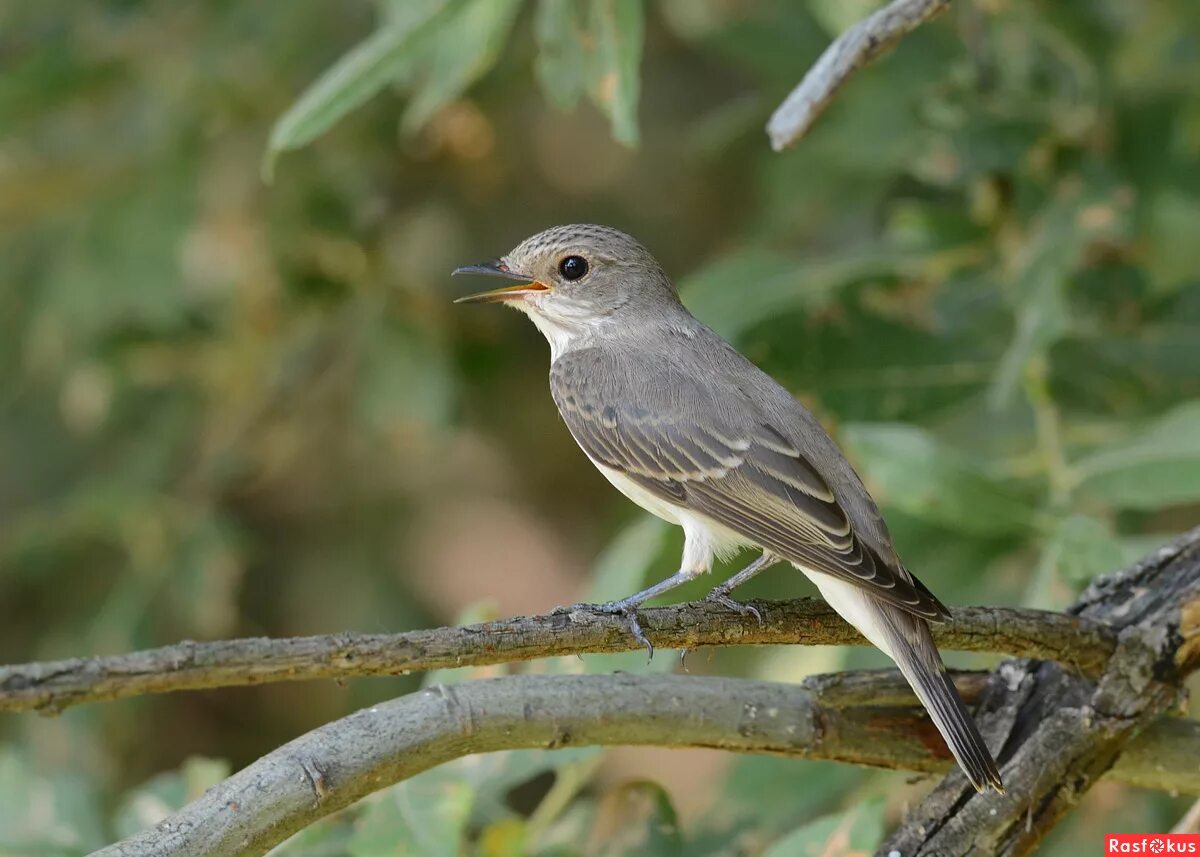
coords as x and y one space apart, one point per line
527 286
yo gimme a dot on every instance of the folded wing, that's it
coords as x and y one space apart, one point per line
711 451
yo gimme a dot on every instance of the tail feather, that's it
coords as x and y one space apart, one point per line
940 698
907 640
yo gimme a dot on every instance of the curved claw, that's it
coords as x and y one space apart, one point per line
629 612
718 597
635 629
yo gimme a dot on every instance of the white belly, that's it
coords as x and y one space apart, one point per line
854 604
651 503
704 538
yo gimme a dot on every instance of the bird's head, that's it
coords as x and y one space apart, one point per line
572 279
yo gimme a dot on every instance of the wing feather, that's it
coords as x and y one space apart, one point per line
730 464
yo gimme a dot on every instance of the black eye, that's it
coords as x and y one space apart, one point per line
573 267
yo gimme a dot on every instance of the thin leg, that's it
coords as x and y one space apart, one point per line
720 594
627 607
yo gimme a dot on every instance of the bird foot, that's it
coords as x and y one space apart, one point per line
721 596
629 613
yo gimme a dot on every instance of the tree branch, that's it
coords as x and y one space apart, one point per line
1059 731
52 686
866 718
853 49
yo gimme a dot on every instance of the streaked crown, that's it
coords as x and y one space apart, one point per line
603 242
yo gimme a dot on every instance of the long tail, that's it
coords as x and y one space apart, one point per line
906 639
922 666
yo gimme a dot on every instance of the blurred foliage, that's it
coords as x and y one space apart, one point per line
231 408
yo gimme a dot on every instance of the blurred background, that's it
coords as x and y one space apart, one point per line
232 406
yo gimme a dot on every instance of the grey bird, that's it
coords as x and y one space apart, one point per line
690 430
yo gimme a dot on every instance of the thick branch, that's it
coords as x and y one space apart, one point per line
867 718
853 49
53 686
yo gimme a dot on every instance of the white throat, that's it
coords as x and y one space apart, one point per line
563 328
559 335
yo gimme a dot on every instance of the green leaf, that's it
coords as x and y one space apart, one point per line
769 793
1041 321
1159 467
424 816
595 48
161 795
1082 547
45 815
1172 254
939 554
382 58
855 833
495 775
462 50
617 26
440 805
748 287
560 32
1043 267
909 468
1136 548
326 837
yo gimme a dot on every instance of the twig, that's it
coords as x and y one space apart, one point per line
867 718
55 685
863 42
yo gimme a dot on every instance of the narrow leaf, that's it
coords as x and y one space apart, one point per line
618 27
426 815
910 469
375 62
463 49
1159 467
1043 269
751 286
561 69
1083 547
855 833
